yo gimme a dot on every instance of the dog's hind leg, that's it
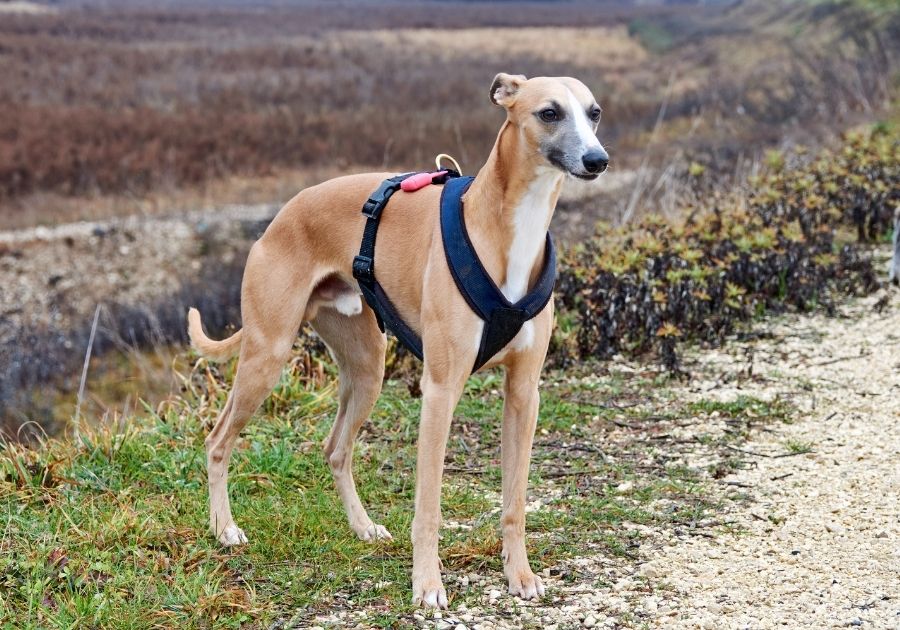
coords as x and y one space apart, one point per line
273 303
358 347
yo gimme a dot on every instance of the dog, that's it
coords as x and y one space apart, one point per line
301 270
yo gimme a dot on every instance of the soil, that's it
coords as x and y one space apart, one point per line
142 271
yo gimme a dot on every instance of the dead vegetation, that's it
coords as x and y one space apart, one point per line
127 101
128 110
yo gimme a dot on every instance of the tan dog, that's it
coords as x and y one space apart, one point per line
301 270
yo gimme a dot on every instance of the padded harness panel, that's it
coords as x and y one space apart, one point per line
502 319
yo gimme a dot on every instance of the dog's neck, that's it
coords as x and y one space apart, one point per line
508 211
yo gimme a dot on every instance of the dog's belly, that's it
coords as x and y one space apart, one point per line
334 292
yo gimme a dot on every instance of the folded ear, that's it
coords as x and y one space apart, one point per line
505 87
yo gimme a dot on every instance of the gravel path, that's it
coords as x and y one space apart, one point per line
820 537
813 536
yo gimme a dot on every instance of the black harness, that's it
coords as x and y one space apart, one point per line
502 319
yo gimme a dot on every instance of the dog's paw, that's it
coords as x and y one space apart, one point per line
232 535
429 594
375 532
526 585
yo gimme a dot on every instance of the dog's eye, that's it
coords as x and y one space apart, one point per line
549 115
595 114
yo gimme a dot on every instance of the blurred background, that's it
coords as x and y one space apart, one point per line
144 146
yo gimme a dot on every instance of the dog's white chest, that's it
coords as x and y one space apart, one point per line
529 235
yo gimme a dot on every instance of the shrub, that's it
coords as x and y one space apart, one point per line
646 287
855 185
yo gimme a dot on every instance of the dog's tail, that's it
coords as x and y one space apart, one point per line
210 348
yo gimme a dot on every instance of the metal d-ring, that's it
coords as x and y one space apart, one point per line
443 156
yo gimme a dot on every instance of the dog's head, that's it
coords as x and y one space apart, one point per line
558 117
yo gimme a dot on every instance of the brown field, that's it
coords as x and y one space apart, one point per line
108 110
127 109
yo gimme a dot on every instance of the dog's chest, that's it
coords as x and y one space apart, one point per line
530 219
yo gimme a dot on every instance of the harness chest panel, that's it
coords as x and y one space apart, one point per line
502 319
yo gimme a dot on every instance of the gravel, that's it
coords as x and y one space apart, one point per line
818 546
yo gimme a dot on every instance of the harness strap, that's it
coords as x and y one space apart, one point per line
386 313
502 319
364 268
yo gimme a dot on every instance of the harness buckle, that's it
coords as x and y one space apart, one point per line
364 269
372 208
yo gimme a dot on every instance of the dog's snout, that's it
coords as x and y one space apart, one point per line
595 161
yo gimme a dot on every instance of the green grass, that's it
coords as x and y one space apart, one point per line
113 532
798 447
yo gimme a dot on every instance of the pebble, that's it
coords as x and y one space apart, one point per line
834 528
648 570
590 621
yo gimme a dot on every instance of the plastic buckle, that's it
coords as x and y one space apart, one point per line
371 208
363 268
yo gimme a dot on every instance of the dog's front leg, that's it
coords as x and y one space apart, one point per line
520 411
440 393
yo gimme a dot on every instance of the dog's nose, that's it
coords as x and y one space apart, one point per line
595 161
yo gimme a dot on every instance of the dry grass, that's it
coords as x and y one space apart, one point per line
135 104
20 6
607 48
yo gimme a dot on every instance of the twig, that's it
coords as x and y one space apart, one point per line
643 169
626 425
741 450
84 374
465 471
839 359
780 477
606 405
792 454
569 473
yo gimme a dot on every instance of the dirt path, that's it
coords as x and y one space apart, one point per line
820 536
810 533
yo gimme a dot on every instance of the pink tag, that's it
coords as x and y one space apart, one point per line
419 180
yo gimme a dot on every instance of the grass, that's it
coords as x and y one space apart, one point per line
798 447
113 532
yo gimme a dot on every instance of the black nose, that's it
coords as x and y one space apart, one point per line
595 161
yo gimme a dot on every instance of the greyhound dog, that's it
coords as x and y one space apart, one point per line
300 270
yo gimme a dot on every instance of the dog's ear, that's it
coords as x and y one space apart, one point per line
505 87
